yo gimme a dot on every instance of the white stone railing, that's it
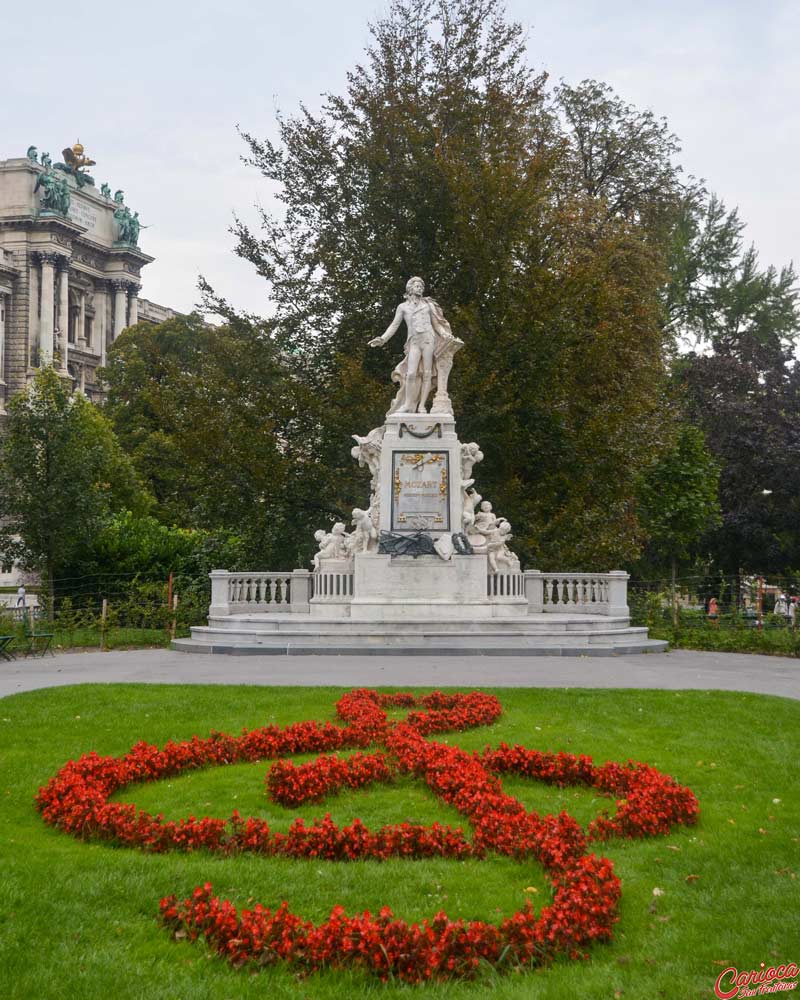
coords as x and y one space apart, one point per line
332 586
240 593
572 593
577 593
505 585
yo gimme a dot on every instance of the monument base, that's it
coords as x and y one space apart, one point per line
520 635
399 588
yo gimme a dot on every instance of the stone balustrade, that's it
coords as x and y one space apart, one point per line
577 593
566 593
332 586
505 585
240 593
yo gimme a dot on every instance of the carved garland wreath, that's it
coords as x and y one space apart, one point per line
585 889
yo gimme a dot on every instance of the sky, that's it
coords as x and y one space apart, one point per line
155 91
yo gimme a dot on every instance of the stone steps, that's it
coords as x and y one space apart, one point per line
479 648
528 624
290 636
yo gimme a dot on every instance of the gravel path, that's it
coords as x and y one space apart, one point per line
681 669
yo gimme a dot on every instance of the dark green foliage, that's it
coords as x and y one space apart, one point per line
447 158
130 545
679 497
218 421
745 393
570 256
62 474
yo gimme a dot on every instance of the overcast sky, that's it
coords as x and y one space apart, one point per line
154 90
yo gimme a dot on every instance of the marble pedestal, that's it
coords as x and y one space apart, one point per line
432 435
400 588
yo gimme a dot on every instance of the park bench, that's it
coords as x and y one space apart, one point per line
5 647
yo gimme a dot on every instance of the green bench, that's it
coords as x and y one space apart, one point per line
5 647
36 643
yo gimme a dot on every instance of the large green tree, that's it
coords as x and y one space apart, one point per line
446 157
225 432
62 474
679 501
740 382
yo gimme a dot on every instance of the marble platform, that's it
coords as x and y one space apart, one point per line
530 635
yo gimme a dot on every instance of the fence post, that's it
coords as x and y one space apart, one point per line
618 594
534 591
103 620
300 592
220 605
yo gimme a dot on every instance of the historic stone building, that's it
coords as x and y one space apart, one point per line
70 270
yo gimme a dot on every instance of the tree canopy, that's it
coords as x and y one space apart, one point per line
447 157
555 227
62 474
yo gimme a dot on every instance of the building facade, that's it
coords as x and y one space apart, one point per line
70 271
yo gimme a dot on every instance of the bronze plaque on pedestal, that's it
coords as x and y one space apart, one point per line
420 491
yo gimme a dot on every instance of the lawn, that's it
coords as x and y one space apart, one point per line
78 920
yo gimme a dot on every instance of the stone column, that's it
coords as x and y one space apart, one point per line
80 333
100 317
120 304
133 306
220 605
46 321
534 591
63 312
300 591
618 594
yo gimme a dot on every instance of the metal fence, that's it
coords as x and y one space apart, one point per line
102 609
716 601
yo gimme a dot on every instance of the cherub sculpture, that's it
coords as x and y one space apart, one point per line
497 550
365 536
471 454
471 500
485 519
333 544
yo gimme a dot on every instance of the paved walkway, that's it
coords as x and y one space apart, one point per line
682 669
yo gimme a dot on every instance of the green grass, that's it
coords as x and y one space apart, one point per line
78 920
770 641
119 637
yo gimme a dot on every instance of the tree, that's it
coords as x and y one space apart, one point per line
746 396
679 500
62 473
716 290
224 432
742 384
445 158
619 154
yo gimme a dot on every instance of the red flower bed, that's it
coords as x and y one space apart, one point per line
653 802
291 786
585 888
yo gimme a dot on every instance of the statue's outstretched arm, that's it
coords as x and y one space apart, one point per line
391 329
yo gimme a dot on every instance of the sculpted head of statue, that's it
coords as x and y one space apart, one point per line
415 286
